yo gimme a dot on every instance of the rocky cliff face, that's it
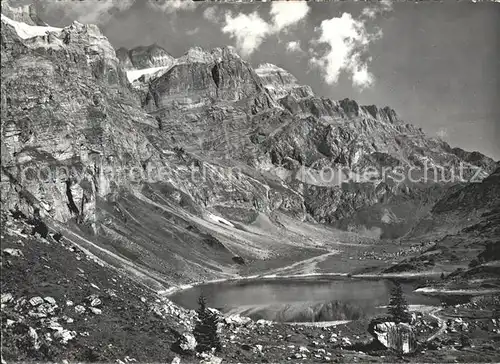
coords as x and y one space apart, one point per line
205 140
64 94
26 14
280 82
464 228
144 57
78 147
200 78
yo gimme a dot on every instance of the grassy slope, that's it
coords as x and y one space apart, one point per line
127 326
461 224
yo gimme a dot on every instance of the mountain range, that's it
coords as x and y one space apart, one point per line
175 171
202 135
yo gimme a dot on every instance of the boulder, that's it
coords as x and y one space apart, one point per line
397 336
238 260
34 338
35 301
95 310
13 252
64 335
79 309
50 300
185 344
346 341
209 358
94 301
236 320
7 297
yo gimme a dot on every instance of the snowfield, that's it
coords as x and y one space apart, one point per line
220 220
136 74
26 31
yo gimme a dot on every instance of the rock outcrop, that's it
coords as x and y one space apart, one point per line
63 96
144 57
206 135
280 83
396 336
77 147
199 78
26 14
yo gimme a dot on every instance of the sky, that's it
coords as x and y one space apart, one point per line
436 63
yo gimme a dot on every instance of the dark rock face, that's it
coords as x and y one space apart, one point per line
67 106
26 14
464 223
77 146
397 336
123 56
474 158
239 260
144 57
280 83
201 77
66 94
485 194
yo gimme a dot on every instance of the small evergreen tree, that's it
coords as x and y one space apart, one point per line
205 331
398 307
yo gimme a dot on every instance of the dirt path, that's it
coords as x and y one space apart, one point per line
112 260
442 323
308 265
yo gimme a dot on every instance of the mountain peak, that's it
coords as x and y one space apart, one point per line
201 55
144 57
26 14
26 31
279 82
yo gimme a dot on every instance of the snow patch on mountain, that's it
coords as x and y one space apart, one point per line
220 220
269 69
134 75
26 31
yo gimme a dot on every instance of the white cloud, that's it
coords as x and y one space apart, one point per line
372 12
193 31
369 12
86 12
171 6
347 40
361 78
285 14
249 31
442 133
293 46
386 5
211 14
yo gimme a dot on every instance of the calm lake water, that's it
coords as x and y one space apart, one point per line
299 299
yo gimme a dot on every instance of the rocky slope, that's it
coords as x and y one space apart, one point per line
26 14
60 302
208 148
112 178
465 228
274 125
144 57
201 168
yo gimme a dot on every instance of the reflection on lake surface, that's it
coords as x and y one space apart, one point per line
300 299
